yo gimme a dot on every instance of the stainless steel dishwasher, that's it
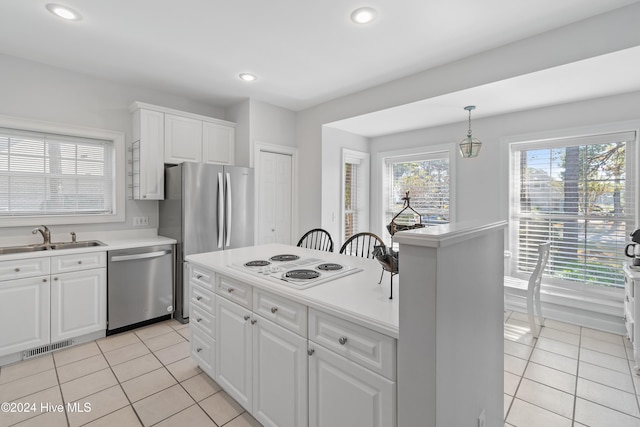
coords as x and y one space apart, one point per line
140 286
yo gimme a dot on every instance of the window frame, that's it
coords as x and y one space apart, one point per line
364 161
119 171
428 152
550 139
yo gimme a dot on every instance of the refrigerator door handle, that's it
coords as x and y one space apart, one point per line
220 211
228 216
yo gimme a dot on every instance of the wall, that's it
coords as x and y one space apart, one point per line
41 92
334 140
595 36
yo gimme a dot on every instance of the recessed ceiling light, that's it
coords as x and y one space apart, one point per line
247 77
364 15
63 12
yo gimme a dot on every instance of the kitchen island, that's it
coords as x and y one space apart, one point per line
320 356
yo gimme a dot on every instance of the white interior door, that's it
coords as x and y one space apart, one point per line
274 181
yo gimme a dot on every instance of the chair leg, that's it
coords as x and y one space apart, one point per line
538 307
381 274
532 321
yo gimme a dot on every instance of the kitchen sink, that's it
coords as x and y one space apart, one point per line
53 246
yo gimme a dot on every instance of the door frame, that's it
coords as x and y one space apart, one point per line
266 147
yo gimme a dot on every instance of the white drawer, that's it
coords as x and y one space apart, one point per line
286 313
202 320
203 350
21 268
76 262
202 277
364 346
238 292
203 299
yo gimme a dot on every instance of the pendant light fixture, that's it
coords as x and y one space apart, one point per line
470 147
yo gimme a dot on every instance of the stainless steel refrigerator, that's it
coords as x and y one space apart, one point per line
206 208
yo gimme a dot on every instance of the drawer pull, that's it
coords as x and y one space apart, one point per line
274 309
17 269
199 276
55 278
230 290
79 262
44 280
199 319
253 321
246 317
198 350
310 352
342 340
198 298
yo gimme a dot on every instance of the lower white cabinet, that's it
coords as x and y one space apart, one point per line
24 314
78 303
344 394
261 365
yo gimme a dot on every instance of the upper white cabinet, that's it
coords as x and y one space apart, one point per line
163 135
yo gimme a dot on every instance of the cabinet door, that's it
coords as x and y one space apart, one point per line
280 386
233 350
78 303
24 314
203 350
344 394
218 143
148 128
182 139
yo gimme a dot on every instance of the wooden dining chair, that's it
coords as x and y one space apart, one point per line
316 239
531 288
361 244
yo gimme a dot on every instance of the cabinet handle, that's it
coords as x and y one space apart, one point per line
55 278
198 350
199 319
342 340
310 352
44 280
247 317
79 262
626 298
253 321
274 309
230 290
198 298
17 269
199 276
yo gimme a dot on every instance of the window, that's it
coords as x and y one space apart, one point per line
63 178
426 178
356 193
578 194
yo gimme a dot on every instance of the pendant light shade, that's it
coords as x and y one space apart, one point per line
470 146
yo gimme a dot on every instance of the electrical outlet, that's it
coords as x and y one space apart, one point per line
140 221
481 419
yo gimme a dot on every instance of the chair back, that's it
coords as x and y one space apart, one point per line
317 239
543 257
362 245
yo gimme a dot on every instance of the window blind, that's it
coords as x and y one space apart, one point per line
426 178
574 192
48 174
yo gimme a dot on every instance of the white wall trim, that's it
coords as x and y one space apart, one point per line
120 171
377 195
260 147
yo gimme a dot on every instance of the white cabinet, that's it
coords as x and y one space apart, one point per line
218 143
632 310
78 303
344 394
182 139
24 314
202 318
148 155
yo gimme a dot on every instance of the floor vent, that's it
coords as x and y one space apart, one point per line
46 349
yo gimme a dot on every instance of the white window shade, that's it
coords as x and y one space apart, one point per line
45 174
577 193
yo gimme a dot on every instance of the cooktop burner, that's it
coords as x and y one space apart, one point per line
301 274
329 266
284 257
257 263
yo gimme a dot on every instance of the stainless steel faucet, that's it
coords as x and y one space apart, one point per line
46 234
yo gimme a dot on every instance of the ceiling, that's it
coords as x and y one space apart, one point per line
303 52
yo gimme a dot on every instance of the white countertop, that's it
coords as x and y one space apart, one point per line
446 234
117 241
357 297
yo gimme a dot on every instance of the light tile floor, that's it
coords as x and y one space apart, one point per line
569 376
143 377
